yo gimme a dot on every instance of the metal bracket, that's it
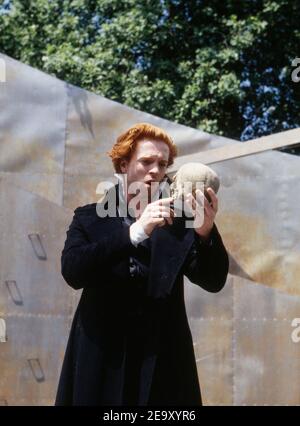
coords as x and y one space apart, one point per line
14 292
36 368
37 246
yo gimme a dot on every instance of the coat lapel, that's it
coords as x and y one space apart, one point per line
170 245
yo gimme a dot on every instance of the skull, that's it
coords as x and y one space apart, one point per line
192 176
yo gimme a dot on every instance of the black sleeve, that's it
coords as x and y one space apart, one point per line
207 262
82 262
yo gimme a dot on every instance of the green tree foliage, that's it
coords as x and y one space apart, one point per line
220 66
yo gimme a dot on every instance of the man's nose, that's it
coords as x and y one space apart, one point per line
155 169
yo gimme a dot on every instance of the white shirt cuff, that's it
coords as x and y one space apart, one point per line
137 233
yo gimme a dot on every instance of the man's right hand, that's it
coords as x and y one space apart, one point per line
156 214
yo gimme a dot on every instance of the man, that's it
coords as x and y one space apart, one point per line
130 342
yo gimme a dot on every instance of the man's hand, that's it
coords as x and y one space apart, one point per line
209 209
156 214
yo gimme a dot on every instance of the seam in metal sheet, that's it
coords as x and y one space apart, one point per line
65 142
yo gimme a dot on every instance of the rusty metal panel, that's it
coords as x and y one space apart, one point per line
49 186
35 302
213 353
267 359
30 254
81 190
32 129
260 364
39 102
211 322
31 358
258 217
263 376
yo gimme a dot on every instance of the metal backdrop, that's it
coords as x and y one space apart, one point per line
53 143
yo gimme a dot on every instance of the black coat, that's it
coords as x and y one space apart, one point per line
111 353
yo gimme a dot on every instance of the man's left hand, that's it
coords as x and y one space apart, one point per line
208 211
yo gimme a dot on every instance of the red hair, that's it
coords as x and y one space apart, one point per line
126 143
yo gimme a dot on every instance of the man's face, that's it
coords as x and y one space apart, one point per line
148 163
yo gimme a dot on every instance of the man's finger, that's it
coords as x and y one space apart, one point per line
163 209
200 197
214 198
163 201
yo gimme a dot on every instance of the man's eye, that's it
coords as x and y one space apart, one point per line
149 162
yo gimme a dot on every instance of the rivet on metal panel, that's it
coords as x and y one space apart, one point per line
3 402
14 292
36 369
37 246
3 337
